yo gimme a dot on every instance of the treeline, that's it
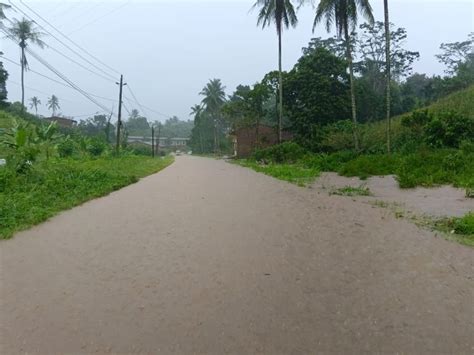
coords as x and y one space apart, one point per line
317 93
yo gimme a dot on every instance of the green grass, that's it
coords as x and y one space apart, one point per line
421 168
54 186
460 229
351 191
461 102
294 173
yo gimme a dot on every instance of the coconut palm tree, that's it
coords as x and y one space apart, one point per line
388 75
196 111
24 32
3 7
283 14
53 104
214 98
34 103
343 14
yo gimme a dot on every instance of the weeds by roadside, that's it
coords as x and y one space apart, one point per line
52 186
296 174
351 191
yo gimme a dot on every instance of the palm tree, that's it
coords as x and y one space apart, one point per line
34 103
282 13
343 13
3 7
196 111
388 75
24 31
214 98
53 104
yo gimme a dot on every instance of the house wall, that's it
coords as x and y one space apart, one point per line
247 139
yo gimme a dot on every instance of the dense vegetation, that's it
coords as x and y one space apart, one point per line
48 171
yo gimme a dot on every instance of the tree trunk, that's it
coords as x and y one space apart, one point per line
215 136
388 76
280 90
353 100
22 77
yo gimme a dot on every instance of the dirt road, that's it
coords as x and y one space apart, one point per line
207 257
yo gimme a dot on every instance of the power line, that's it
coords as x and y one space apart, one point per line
63 77
99 18
70 40
56 81
39 91
111 77
135 99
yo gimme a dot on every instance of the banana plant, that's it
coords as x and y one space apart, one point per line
19 141
48 138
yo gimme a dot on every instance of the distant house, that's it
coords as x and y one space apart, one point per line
62 122
245 138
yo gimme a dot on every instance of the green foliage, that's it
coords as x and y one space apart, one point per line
465 225
294 173
316 93
3 80
49 188
95 146
66 148
443 129
364 166
352 191
288 152
19 143
460 229
423 167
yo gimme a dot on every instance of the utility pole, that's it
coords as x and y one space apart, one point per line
119 121
152 141
158 139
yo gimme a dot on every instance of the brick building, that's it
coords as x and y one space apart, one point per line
245 138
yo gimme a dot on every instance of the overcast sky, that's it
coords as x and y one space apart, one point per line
168 49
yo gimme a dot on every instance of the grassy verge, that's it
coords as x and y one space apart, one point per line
294 173
460 229
54 186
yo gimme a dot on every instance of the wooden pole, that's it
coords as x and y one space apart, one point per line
152 141
119 121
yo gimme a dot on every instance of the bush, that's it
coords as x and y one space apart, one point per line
370 165
66 148
465 225
288 152
95 146
449 130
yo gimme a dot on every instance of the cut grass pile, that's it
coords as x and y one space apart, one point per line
57 185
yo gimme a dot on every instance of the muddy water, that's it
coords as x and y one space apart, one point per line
436 201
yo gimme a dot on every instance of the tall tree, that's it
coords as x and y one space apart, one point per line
53 104
388 74
214 98
3 86
282 13
196 111
3 7
34 103
343 14
24 32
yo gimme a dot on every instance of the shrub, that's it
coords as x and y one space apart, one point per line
288 152
449 130
465 225
95 146
66 148
369 165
